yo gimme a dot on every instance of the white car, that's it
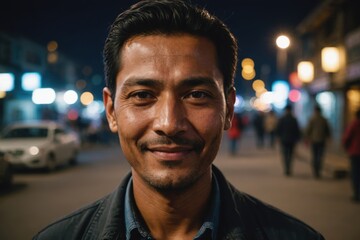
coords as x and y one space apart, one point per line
40 144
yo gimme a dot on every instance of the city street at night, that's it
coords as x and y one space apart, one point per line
40 198
279 79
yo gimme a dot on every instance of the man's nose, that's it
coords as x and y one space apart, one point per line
170 117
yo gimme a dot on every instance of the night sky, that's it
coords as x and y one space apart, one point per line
80 26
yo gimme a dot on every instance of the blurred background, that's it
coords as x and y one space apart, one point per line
303 53
51 57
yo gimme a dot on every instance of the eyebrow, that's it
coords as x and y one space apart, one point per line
154 83
197 81
146 82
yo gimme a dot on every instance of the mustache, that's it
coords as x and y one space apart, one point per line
196 144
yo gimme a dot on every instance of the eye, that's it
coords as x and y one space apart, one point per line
198 94
141 95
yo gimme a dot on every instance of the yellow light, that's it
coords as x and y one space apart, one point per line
330 59
353 95
52 46
248 76
260 92
52 57
248 69
305 71
86 98
2 94
258 85
247 62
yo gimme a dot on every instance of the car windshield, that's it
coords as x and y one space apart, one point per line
26 132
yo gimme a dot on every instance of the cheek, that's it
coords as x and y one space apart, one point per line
209 123
130 123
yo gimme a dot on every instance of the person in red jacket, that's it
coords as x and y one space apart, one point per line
351 142
234 133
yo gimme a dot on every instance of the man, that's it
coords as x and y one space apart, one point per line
317 132
169 96
288 131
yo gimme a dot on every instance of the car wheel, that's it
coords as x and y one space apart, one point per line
73 159
50 163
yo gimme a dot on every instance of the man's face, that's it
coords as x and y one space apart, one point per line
169 109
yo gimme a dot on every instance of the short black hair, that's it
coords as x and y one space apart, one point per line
169 17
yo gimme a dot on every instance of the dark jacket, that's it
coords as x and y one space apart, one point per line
241 217
288 129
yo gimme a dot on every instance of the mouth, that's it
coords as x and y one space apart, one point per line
167 153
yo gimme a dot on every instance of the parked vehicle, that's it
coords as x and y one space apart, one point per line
40 144
6 174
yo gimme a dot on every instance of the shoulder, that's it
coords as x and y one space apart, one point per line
96 220
273 222
246 215
71 226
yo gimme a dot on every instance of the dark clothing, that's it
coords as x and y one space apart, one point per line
287 151
259 129
317 132
351 142
317 150
355 176
241 217
288 131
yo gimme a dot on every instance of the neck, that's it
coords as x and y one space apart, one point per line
174 214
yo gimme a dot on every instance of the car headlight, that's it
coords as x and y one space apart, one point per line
34 150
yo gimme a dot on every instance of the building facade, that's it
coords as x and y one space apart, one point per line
335 24
19 56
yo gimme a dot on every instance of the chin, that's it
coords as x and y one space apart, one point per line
169 182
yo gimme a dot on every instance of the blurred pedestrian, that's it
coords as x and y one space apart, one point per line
170 96
258 124
317 132
351 142
288 132
270 124
234 133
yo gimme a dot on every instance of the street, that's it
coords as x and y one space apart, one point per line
40 198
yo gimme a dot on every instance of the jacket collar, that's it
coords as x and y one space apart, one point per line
236 221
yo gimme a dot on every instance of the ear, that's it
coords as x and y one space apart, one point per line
109 109
230 101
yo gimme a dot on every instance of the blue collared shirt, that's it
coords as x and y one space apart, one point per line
137 229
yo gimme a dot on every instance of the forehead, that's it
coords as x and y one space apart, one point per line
169 56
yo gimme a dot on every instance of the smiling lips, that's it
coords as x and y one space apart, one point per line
173 153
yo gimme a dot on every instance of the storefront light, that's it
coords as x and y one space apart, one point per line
7 82
330 59
305 71
70 97
43 96
30 81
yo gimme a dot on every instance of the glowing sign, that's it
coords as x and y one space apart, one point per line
43 96
6 82
30 81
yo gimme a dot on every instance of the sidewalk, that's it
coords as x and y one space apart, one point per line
336 162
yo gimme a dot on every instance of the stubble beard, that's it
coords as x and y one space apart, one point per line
172 183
